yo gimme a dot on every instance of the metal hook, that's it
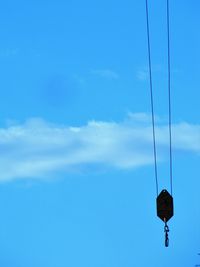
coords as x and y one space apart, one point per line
166 230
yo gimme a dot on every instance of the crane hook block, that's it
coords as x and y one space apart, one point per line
165 209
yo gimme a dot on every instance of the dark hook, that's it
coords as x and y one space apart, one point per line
166 230
166 241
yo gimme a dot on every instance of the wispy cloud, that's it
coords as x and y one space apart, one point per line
105 73
36 149
142 75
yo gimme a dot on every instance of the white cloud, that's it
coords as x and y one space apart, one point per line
106 73
142 75
142 117
37 148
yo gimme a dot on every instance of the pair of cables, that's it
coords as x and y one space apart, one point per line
164 199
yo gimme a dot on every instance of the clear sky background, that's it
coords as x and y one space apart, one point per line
76 160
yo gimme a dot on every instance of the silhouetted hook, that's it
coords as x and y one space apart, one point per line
166 230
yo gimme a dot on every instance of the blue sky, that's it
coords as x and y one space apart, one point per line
77 182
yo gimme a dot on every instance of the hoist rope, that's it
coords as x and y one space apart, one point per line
169 99
152 102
